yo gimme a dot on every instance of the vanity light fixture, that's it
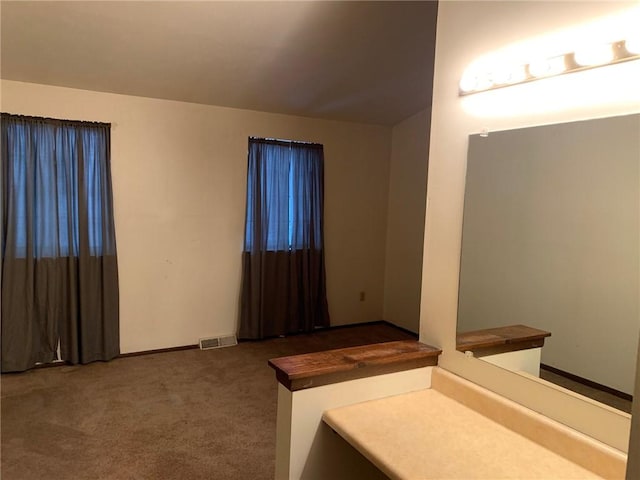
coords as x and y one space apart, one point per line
476 80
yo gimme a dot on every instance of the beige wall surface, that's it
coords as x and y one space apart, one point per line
405 221
466 32
179 181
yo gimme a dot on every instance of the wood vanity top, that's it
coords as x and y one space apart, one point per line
331 366
491 341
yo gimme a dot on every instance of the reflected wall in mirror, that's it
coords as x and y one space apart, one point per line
551 240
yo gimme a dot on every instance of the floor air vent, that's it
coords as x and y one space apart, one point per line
218 342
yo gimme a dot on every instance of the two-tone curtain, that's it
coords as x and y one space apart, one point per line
283 284
59 266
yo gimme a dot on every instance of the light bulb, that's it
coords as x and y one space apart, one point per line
509 75
484 81
468 83
547 66
594 55
473 81
632 45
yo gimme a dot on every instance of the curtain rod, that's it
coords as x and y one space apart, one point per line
286 142
53 120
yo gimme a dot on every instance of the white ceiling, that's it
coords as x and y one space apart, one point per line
369 62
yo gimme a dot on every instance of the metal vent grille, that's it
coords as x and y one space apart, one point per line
218 342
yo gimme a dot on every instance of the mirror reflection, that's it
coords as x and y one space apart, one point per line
551 254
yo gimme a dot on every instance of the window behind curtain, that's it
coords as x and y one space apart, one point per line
284 187
57 174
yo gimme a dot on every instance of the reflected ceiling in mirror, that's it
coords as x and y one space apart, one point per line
551 240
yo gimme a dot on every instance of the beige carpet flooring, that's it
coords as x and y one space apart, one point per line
187 414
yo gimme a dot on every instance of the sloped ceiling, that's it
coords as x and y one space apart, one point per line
369 62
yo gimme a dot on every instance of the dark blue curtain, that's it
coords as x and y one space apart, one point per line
59 267
283 286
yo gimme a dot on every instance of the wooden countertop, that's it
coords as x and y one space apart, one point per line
321 368
491 341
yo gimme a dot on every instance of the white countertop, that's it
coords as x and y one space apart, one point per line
427 435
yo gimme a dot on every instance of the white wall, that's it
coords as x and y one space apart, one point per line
466 31
179 181
405 221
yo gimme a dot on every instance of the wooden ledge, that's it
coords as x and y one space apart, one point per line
491 341
298 372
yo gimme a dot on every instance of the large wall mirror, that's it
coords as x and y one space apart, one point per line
551 241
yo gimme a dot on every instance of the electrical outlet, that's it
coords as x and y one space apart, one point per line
362 296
